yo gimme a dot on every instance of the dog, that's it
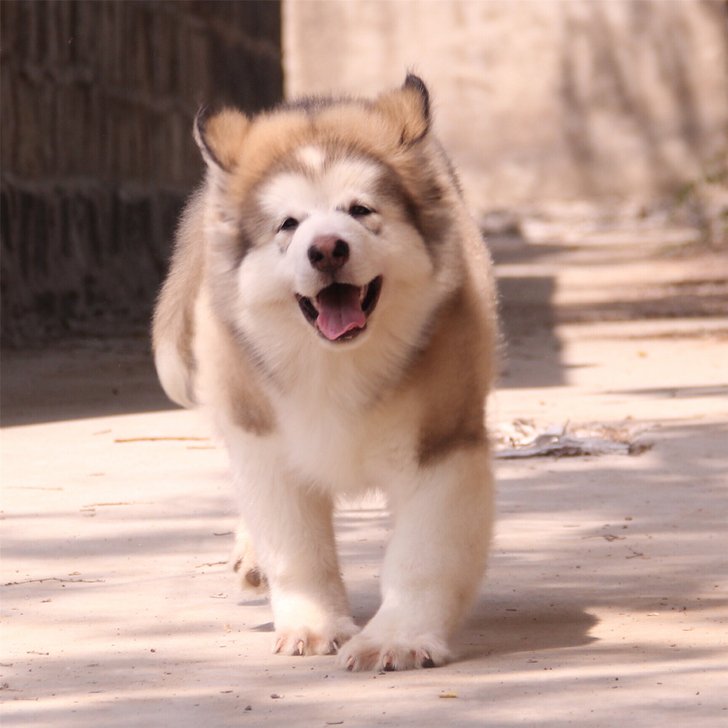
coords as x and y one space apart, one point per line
330 304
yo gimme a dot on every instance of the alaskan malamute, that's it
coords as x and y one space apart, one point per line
330 305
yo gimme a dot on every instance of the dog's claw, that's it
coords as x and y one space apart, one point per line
300 646
427 660
387 663
278 645
350 664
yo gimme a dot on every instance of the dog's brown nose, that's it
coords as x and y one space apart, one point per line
328 254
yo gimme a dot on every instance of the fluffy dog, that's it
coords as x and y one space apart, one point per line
330 304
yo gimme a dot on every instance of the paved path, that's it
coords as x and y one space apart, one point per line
606 602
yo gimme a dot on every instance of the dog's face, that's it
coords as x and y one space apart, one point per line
338 240
318 231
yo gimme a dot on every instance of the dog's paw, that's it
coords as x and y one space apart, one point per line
366 652
307 641
245 564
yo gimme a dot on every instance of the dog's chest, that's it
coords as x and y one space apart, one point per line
341 446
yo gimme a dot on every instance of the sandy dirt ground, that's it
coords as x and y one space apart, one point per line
606 600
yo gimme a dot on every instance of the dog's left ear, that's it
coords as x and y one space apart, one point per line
408 107
220 136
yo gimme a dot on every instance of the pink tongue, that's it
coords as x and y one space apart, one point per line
339 310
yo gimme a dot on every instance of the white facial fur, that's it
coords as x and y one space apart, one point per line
383 243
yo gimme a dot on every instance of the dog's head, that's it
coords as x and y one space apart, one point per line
327 213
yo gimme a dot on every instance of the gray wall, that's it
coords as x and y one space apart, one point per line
98 100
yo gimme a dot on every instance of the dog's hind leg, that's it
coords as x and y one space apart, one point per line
245 563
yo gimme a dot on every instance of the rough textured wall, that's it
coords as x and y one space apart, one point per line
539 100
98 100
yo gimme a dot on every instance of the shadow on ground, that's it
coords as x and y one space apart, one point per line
79 378
577 538
84 377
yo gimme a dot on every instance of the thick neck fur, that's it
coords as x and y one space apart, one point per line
352 378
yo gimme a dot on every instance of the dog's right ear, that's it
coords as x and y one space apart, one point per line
407 108
220 136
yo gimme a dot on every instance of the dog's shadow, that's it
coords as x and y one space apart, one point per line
501 625
498 627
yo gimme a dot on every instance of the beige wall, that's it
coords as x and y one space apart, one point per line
538 99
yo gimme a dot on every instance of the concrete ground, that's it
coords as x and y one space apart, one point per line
606 601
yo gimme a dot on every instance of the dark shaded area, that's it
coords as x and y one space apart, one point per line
98 101
527 277
528 316
677 392
690 298
80 378
528 321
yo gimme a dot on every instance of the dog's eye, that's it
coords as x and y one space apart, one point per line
290 223
360 211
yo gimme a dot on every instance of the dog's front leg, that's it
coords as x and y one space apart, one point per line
433 566
291 527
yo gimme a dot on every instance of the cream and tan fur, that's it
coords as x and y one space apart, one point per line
330 305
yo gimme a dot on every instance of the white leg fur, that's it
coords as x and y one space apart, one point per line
433 566
291 525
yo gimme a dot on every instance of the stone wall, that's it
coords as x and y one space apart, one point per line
539 101
98 101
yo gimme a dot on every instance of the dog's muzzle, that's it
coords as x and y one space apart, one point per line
340 311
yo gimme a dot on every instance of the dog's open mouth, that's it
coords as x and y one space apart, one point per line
340 311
